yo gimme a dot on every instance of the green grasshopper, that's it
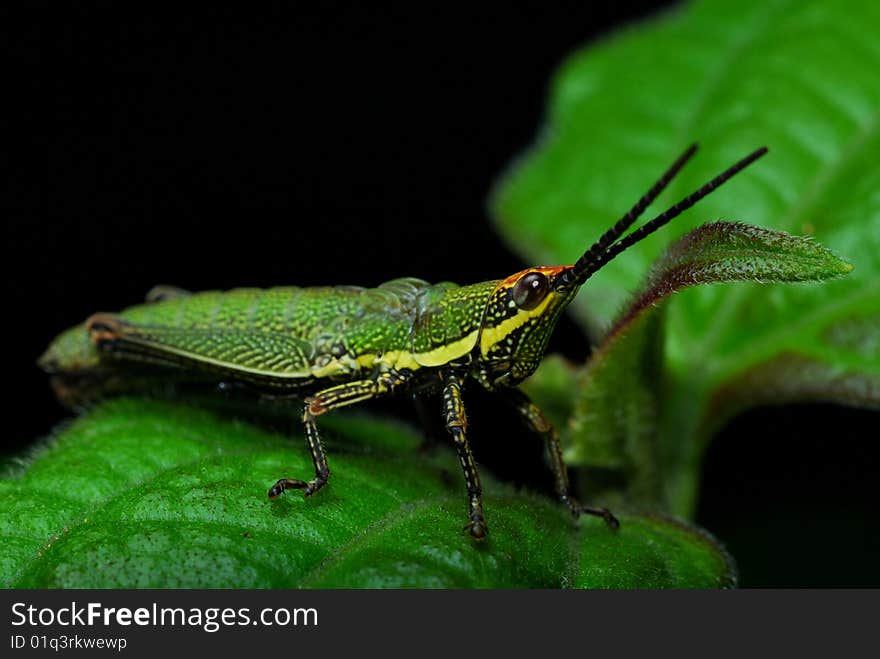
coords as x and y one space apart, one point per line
336 346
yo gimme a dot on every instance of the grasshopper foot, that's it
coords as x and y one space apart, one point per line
577 510
309 488
477 527
605 514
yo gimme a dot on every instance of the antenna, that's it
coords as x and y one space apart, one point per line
605 249
633 214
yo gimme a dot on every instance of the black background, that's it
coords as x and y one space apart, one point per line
354 145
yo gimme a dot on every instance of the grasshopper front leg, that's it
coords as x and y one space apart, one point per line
320 403
456 424
534 418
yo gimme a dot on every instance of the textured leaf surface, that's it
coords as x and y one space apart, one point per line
150 494
798 77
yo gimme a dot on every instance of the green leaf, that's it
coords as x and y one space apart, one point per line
150 494
798 77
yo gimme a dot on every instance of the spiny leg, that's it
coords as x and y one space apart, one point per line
324 401
456 423
534 418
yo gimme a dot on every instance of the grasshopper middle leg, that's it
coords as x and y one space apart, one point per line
320 403
456 423
534 418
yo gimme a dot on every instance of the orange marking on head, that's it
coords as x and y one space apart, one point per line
548 270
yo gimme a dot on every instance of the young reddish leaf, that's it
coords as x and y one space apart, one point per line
733 251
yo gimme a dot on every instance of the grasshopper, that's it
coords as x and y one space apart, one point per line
335 346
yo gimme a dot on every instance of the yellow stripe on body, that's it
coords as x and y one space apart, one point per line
401 359
331 368
493 335
446 353
393 359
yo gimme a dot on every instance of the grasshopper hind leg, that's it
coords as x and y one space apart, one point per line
319 459
322 402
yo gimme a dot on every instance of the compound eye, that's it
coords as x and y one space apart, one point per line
529 290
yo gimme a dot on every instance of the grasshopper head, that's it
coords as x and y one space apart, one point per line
524 308
520 316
